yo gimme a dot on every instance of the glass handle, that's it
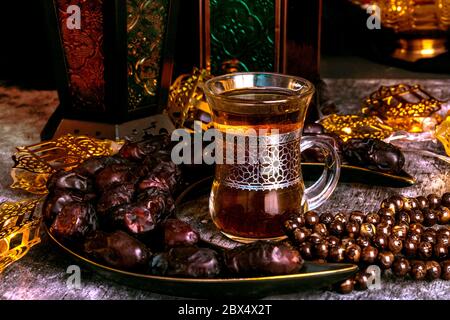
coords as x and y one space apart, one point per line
322 189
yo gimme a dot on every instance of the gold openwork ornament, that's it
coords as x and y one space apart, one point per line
33 164
19 230
19 221
187 102
356 126
404 107
442 133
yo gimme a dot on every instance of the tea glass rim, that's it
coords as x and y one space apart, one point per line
306 89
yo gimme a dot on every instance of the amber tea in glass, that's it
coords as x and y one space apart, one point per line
260 117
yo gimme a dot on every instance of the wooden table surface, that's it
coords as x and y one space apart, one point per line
41 274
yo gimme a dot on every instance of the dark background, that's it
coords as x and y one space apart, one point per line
26 58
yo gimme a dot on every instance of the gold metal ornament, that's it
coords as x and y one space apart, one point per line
356 126
34 164
19 230
187 102
419 25
442 133
404 107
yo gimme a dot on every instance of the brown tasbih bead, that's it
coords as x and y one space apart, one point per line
352 229
401 266
445 270
430 217
417 216
416 228
363 242
311 218
404 216
353 253
410 248
326 218
337 254
386 212
320 250
385 259
445 199
345 287
396 237
433 270
418 270
380 241
422 202
441 251
395 244
443 238
444 215
357 217
373 218
410 204
361 280
429 236
367 230
301 234
434 201
400 231
321 229
425 250
333 241
341 217
337 228
369 254
384 229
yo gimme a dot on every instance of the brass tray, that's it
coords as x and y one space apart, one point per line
354 174
313 275
33 164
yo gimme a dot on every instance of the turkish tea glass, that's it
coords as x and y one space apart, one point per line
258 179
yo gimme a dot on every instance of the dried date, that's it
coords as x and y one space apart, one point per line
58 198
374 153
117 249
188 261
115 174
70 180
74 221
178 233
263 258
114 197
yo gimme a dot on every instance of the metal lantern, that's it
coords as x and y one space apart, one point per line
261 35
113 62
224 36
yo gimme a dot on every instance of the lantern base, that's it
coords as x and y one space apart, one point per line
134 130
411 50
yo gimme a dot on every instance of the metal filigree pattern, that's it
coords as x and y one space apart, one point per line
271 163
19 230
187 102
146 26
242 35
84 54
404 107
442 133
33 164
355 126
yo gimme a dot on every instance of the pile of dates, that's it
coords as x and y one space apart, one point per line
368 152
118 210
